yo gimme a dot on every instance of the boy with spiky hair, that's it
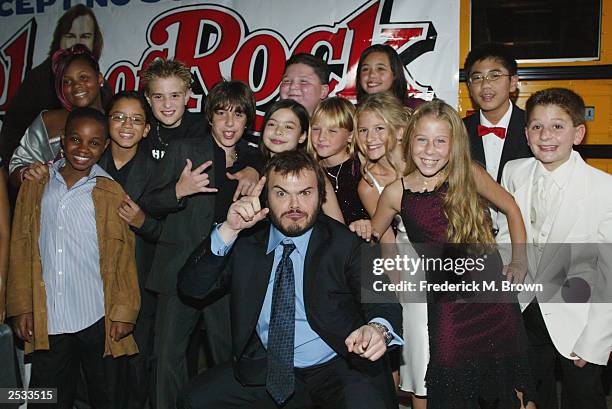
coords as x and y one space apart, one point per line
167 87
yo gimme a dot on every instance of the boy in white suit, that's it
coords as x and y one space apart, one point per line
563 200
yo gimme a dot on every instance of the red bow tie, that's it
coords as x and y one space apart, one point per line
497 130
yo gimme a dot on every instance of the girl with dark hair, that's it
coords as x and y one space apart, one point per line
285 128
380 69
78 25
77 82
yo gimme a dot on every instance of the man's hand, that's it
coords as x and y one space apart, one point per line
244 213
362 228
247 180
580 363
131 213
119 330
193 180
35 171
24 326
367 342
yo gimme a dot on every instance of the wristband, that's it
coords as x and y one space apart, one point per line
384 330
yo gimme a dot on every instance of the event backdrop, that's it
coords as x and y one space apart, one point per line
244 39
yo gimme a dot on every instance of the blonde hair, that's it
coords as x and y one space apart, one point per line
339 112
386 106
468 219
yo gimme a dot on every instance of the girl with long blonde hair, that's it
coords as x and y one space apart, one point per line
331 141
478 353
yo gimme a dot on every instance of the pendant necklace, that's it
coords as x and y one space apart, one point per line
163 144
335 177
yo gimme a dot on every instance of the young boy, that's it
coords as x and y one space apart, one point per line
167 87
496 131
305 80
72 284
192 190
128 160
563 200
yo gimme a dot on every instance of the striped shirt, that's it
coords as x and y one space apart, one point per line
69 252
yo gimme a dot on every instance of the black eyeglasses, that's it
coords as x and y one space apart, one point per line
121 117
489 76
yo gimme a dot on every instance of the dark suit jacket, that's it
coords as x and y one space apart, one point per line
515 146
332 292
142 169
188 221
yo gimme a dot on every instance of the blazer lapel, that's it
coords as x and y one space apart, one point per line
262 270
522 196
476 141
513 142
316 246
135 184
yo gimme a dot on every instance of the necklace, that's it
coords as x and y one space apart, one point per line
335 177
163 144
234 157
426 181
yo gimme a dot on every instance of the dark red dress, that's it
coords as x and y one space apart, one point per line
478 351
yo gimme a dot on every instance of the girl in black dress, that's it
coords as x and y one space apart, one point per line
331 140
478 353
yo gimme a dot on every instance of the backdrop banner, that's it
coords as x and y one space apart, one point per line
245 40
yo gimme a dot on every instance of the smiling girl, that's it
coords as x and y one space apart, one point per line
478 352
380 69
285 128
78 82
331 140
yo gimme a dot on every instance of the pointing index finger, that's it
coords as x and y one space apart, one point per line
259 186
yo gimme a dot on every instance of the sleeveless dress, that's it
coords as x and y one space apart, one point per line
478 351
415 354
345 178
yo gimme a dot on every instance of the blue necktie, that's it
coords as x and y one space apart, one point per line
280 381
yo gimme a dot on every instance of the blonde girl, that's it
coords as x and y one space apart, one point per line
331 141
285 128
381 123
477 350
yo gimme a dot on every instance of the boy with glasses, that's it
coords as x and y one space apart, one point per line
497 131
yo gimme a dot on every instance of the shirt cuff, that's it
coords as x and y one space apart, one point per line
217 246
396 340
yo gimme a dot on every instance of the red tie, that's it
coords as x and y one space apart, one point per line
497 130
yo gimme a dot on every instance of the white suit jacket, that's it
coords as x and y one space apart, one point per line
584 215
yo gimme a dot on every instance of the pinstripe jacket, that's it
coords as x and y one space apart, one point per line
25 285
